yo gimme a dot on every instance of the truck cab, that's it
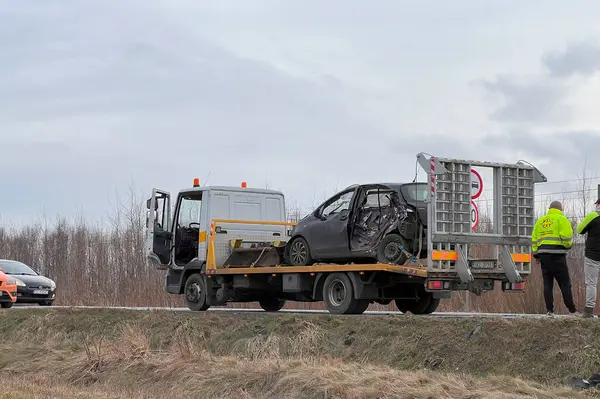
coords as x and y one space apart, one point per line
177 236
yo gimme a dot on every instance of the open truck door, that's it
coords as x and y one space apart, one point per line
159 238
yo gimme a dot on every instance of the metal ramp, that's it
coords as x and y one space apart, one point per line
449 206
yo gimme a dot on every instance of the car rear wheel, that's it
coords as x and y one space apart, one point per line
389 250
300 252
6 305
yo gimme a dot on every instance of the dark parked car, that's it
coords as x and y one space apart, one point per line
364 223
34 288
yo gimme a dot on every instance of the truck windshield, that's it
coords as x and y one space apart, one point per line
189 210
415 191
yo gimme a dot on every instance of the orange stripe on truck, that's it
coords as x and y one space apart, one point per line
444 255
517 258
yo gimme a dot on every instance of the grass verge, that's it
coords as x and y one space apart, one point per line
108 353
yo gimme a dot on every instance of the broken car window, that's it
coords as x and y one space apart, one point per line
377 198
342 203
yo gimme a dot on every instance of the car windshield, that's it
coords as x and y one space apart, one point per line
17 268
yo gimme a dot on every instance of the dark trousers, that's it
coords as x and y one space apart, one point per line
554 266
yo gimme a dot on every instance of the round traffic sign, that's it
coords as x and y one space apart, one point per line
476 184
474 216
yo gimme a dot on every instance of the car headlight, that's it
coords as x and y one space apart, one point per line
16 281
52 284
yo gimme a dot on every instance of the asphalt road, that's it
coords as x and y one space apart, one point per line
301 311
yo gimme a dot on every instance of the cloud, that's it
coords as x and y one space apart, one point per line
530 100
578 58
544 98
153 104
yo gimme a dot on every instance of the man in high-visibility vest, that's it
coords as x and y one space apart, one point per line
552 238
590 225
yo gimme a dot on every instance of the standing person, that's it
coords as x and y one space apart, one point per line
590 225
552 238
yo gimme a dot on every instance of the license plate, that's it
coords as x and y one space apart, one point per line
40 292
483 264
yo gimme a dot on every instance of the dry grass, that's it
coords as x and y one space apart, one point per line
164 375
126 363
264 355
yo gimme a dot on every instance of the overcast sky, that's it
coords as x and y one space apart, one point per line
303 96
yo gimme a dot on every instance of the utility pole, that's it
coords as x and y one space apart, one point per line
598 192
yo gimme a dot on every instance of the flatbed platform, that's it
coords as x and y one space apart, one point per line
420 271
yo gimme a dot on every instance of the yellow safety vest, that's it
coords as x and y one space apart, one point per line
552 234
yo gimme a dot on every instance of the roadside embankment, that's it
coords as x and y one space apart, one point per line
114 353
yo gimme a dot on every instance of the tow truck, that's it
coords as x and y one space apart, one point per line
232 244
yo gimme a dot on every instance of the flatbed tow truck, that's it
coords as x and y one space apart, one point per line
232 244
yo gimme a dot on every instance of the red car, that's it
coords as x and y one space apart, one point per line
8 290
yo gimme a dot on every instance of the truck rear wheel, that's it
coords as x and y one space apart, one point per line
361 306
338 294
271 303
195 293
426 304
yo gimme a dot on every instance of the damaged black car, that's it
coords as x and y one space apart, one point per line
361 224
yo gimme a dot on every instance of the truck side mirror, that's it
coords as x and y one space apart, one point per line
148 201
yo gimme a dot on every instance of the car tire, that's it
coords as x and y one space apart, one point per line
46 303
6 305
388 250
338 294
195 293
299 254
271 303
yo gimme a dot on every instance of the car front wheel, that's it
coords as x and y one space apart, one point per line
6 305
300 253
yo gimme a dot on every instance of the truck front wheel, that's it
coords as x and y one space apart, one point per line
195 293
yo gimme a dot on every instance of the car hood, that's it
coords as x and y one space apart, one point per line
33 281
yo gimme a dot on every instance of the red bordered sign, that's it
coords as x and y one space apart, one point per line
476 184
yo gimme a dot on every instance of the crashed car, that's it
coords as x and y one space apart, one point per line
8 290
363 223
